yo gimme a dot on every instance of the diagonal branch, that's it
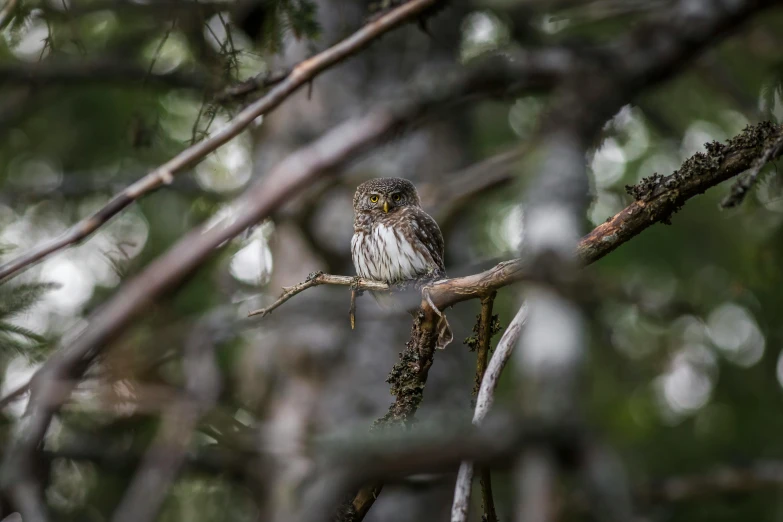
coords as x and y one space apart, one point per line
486 396
258 202
163 175
741 187
658 198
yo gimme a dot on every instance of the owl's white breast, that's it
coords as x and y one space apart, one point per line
384 254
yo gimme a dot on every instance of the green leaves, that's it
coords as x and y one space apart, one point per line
15 300
271 20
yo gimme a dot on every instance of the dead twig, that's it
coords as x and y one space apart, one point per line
318 279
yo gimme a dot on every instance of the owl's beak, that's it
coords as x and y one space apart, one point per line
386 206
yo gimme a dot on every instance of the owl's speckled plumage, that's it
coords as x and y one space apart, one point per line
394 240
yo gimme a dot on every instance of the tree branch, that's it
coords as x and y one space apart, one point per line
486 396
317 279
659 197
486 329
291 176
741 187
300 75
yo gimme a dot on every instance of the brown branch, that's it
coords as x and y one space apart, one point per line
300 75
69 363
317 279
486 396
485 332
659 197
474 179
723 479
741 187
258 202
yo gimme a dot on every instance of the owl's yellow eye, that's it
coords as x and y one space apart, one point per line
397 197
374 199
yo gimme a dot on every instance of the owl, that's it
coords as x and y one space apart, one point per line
394 240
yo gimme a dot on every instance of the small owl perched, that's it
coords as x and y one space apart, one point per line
394 240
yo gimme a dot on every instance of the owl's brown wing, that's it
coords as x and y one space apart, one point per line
430 237
428 234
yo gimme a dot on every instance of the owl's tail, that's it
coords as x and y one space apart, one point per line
387 301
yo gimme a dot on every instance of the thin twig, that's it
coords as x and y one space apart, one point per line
163 175
484 401
741 187
15 394
256 83
317 279
158 49
484 340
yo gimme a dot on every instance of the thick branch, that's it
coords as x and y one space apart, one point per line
300 75
291 176
659 197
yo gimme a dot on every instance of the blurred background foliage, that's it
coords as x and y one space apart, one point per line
685 370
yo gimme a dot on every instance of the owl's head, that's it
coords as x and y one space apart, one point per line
385 195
